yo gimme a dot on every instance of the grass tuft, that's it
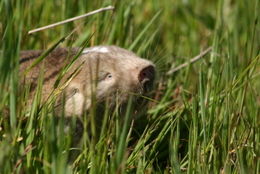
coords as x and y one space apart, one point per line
203 118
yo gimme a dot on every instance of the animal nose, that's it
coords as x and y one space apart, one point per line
146 76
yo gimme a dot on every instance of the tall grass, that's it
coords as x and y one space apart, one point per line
201 119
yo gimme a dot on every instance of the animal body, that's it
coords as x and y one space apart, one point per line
110 73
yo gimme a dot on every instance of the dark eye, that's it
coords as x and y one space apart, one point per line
109 76
104 75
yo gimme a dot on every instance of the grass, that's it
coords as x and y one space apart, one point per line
205 118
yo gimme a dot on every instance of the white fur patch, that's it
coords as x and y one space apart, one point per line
95 49
74 105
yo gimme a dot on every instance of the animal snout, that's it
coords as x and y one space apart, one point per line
146 77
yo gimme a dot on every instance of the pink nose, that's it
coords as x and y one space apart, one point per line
146 76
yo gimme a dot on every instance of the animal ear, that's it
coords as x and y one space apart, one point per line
64 96
71 91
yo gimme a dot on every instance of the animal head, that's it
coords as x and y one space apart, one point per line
108 73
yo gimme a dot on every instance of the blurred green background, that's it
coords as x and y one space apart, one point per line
206 117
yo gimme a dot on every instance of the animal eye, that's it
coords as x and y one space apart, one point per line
104 75
109 76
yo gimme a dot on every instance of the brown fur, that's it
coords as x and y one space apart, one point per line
109 72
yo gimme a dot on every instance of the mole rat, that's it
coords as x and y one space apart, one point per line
110 73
